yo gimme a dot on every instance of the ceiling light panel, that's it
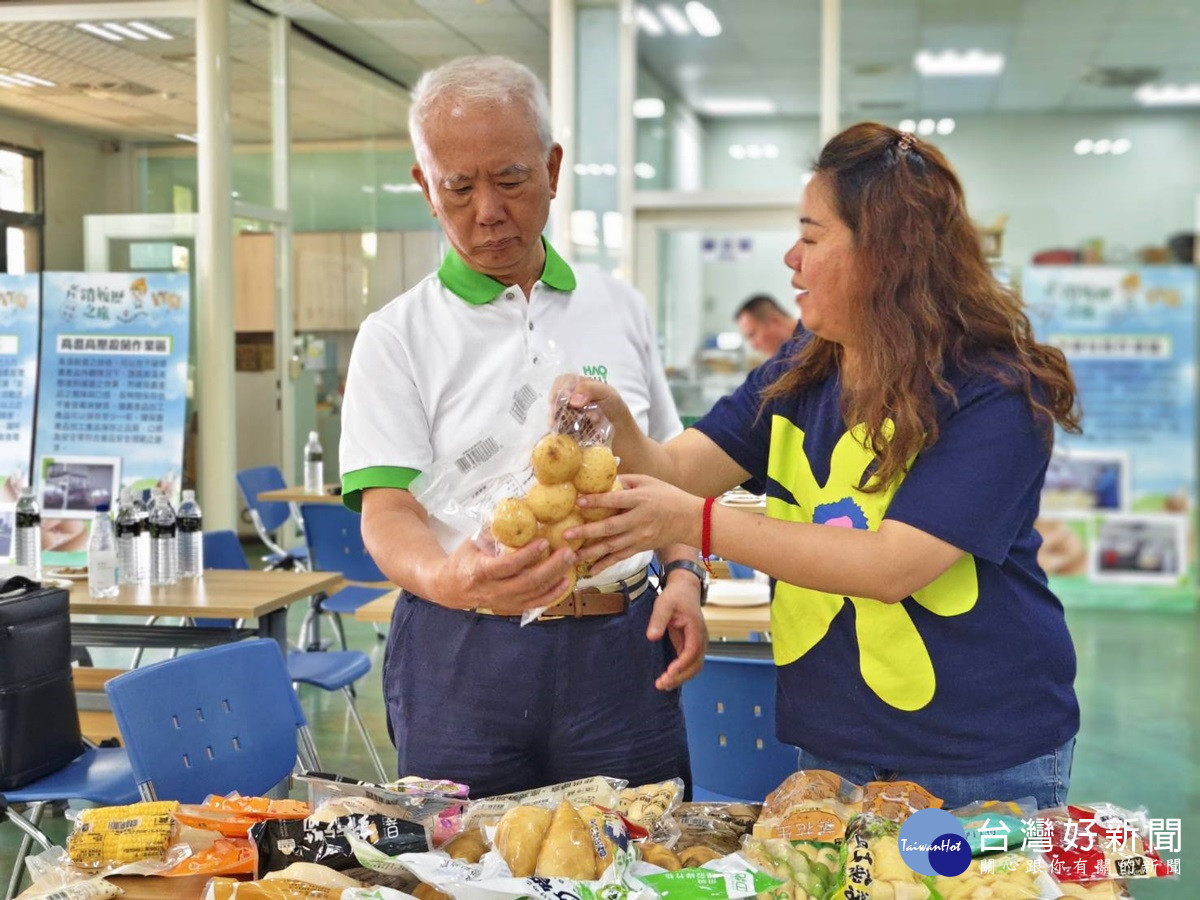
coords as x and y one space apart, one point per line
152 31
960 64
647 22
131 33
703 19
675 21
99 31
1168 95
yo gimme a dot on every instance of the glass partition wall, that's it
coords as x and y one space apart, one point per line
1072 126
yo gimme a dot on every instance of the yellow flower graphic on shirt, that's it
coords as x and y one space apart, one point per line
893 658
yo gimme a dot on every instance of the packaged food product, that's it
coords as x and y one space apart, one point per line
716 826
280 842
108 836
232 816
807 870
1008 875
1097 843
519 837
566 850
812 805
871 866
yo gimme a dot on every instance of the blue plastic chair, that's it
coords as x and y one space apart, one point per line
210 722
331 671
730 713
335 544
100 776
268 517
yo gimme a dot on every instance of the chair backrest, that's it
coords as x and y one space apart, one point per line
335 542
210 722
730 713
252 482
223 550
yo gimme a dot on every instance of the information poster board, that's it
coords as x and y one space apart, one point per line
1118 509
19 309
112 399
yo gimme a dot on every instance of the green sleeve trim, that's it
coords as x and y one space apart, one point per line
354 483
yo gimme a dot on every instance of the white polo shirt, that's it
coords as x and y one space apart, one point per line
430 369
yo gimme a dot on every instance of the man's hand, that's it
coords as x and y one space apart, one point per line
677 614
509 584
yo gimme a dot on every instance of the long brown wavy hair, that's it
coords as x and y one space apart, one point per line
929 302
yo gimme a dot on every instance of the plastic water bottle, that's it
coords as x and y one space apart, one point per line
191 537
29 533
102 555
314 465
164 559
129 539
143 554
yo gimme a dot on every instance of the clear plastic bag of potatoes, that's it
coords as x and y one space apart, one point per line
518 480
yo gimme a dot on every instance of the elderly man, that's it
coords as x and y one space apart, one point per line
591 688
764 323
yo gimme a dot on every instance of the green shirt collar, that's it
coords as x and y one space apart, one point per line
478 289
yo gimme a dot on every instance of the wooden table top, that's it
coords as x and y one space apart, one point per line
219 594
300 495
731 623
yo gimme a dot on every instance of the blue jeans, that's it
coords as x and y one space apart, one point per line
1045 778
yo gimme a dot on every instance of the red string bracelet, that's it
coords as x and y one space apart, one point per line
706 534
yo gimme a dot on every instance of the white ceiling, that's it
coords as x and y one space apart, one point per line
771 49
145 90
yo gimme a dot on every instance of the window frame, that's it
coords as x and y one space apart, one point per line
35 220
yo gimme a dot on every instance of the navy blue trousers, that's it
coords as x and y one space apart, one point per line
482 701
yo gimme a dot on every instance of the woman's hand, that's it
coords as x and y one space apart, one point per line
508 584
650 514
589 392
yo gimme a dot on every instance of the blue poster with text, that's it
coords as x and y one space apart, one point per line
113 396
18 387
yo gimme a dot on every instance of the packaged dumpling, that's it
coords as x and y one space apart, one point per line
519 837
567 847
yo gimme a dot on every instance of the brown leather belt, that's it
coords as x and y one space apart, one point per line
602 600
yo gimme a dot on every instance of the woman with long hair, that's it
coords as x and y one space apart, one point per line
903 441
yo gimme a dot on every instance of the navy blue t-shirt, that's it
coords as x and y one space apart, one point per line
975 672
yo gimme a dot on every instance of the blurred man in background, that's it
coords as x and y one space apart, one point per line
765 324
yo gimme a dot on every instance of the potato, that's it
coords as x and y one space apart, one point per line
551 502
513 522
556 458
597 469
554 532
596 513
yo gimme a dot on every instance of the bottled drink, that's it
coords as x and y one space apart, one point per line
164 559
102 555
29 533
314 465
143 540
191 537
129 539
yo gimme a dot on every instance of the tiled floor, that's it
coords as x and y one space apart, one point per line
1138 746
